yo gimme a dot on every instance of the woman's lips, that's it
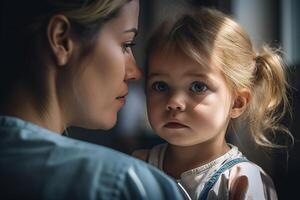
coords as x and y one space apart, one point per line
122 98
175 125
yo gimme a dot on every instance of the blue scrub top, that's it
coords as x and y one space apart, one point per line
36 163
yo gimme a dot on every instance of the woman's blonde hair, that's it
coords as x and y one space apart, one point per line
209 35
24 42
86 16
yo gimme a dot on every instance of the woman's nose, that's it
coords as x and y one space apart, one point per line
176 103
133 72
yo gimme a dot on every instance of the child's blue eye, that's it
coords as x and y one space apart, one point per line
160 86
198 87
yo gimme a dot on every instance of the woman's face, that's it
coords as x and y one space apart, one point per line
99 91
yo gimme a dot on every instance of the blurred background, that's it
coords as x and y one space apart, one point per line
275 22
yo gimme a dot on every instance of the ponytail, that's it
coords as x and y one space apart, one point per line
210 36
269 101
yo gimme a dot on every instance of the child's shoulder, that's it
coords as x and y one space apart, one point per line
247 169
155 151
247 177
141 154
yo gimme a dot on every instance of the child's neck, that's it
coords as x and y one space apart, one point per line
180 159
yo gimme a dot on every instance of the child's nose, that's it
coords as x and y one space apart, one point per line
176 102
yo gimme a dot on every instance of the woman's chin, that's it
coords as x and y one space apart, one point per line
107 123
99 123
107 126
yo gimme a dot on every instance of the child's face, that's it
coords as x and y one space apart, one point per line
187 104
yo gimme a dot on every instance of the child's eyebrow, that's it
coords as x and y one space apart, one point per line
202 75
151 75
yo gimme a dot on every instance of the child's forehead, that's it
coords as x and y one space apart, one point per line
168 59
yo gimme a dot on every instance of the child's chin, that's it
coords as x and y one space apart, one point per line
178 143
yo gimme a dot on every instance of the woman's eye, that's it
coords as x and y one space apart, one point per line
160 86
198 87
127 46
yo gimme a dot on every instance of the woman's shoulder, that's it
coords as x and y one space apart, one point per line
133 177
71 164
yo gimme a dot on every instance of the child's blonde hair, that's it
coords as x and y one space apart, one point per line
209 35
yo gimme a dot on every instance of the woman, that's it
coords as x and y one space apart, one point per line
67 63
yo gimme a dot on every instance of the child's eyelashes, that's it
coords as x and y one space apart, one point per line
198 87
126 47
160 86
195 87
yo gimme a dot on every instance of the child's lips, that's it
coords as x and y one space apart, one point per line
175 125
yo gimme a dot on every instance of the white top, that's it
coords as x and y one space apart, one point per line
244 180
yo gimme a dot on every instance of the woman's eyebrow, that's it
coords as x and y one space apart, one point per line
134 30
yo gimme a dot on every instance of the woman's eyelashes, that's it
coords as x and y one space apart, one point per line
195 87
126 47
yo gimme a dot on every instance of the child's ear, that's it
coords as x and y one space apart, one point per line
240 103
59 38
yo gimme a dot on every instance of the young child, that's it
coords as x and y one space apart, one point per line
202 78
